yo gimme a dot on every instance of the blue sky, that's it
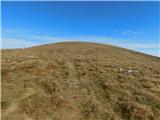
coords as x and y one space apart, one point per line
132 25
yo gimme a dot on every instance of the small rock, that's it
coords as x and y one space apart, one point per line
30 57
130 71
120 69
106 84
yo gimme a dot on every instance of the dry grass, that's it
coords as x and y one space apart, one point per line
79 81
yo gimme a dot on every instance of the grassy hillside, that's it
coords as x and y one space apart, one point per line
79 81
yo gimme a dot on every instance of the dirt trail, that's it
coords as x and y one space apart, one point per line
73 79
72 70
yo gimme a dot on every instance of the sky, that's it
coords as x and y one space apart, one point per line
132 25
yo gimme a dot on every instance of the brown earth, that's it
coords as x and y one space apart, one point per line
79 81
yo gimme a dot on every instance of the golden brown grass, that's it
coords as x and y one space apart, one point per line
79 81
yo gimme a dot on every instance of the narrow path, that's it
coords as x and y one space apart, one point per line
72 78
72 70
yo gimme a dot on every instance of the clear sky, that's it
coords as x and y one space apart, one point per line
132 25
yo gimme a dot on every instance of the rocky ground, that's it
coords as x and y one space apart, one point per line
79 81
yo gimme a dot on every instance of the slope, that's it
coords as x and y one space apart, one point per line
79 81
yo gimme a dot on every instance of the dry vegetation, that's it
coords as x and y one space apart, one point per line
79 81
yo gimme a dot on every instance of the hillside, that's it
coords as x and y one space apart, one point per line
79 81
